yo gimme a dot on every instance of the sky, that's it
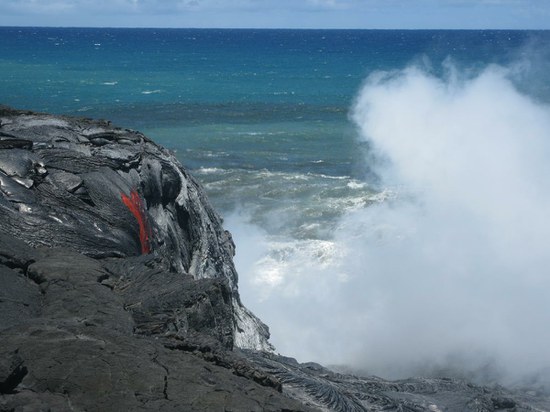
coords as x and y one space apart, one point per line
322 14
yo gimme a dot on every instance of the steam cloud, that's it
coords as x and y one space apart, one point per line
451 271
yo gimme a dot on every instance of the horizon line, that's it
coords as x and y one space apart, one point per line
264 28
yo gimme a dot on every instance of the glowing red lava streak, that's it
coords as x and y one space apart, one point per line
135 205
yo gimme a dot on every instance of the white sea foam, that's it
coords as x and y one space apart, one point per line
382 196
151 91
209 170
328 176
274 266
450 270
262 133
354 184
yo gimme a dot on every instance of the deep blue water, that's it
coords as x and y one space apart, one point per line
263 118
238 75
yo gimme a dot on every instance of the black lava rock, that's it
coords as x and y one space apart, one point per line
117 286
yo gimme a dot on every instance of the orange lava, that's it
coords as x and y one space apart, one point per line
135 205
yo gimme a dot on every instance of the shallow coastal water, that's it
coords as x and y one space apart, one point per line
386 189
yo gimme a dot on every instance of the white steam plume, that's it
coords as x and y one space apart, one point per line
467 274
455 270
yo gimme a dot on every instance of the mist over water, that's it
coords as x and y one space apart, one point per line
445 273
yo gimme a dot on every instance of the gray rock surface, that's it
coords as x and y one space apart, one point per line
78 346
327 390
118 292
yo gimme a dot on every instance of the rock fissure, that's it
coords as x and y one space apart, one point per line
9 385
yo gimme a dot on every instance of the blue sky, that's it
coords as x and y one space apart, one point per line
365 14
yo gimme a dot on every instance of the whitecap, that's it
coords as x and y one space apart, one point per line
382 196
354 184
209 170
329 177
151 91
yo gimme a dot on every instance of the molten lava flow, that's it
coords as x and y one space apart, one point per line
135 205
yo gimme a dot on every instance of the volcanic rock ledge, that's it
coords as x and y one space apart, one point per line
112 193
118 292
117 285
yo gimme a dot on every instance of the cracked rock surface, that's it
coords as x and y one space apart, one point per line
118 292
76 346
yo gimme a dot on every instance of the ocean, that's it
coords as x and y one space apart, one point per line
387 190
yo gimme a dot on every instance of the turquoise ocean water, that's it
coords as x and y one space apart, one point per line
265 120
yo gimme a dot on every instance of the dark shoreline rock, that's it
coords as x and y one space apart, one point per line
109 192
118 292
78 347
117 285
